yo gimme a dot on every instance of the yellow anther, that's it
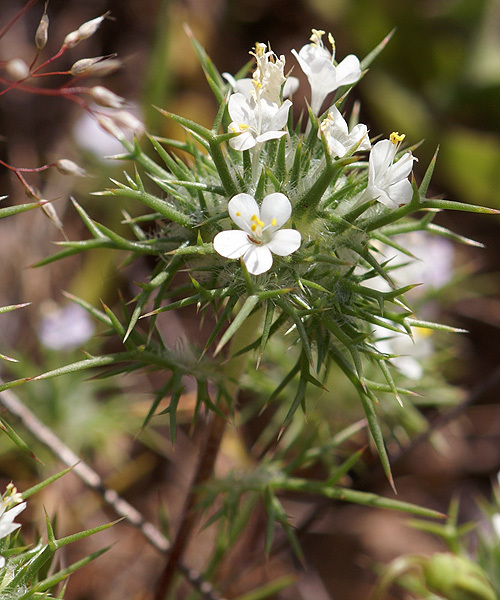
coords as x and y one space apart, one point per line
332 42
397 138
273 222
238 214
254 218
260 223
254 227
316 36
259 49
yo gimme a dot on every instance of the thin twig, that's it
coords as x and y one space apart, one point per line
206 460
122 508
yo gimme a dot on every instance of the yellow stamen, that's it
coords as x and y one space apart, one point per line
332 42
259 49
238 214
397 138
273 222
316 36
254 227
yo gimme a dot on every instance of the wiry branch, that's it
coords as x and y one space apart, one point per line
122 508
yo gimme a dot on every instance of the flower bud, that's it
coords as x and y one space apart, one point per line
17 69
105 97
42 32
457 578
68 167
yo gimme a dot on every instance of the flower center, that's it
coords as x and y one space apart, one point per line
260 235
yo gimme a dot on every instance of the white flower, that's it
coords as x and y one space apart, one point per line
323 75
388 180
338 137
260 234
268 79
8 514
256 120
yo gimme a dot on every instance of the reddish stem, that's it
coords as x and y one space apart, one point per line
24 10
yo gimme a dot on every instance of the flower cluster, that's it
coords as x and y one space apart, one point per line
284 223
259 114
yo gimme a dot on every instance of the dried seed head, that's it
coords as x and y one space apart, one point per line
50 211
105 97
68 167
71 40
90 27
125 119
42 32
83 65
85 30
17 69
104 67
110 126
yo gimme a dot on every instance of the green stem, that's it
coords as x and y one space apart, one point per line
222 168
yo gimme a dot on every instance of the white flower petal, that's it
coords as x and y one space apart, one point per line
6 528
336 148
291 86
244 141
402 168
284 242
348 70
359 137
275 207
232 244
239 108
6 521
379 194
280 117
2 562
269 135
242 208
382 156
401 192
258 259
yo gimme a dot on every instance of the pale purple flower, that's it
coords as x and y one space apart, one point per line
65 328
260 235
